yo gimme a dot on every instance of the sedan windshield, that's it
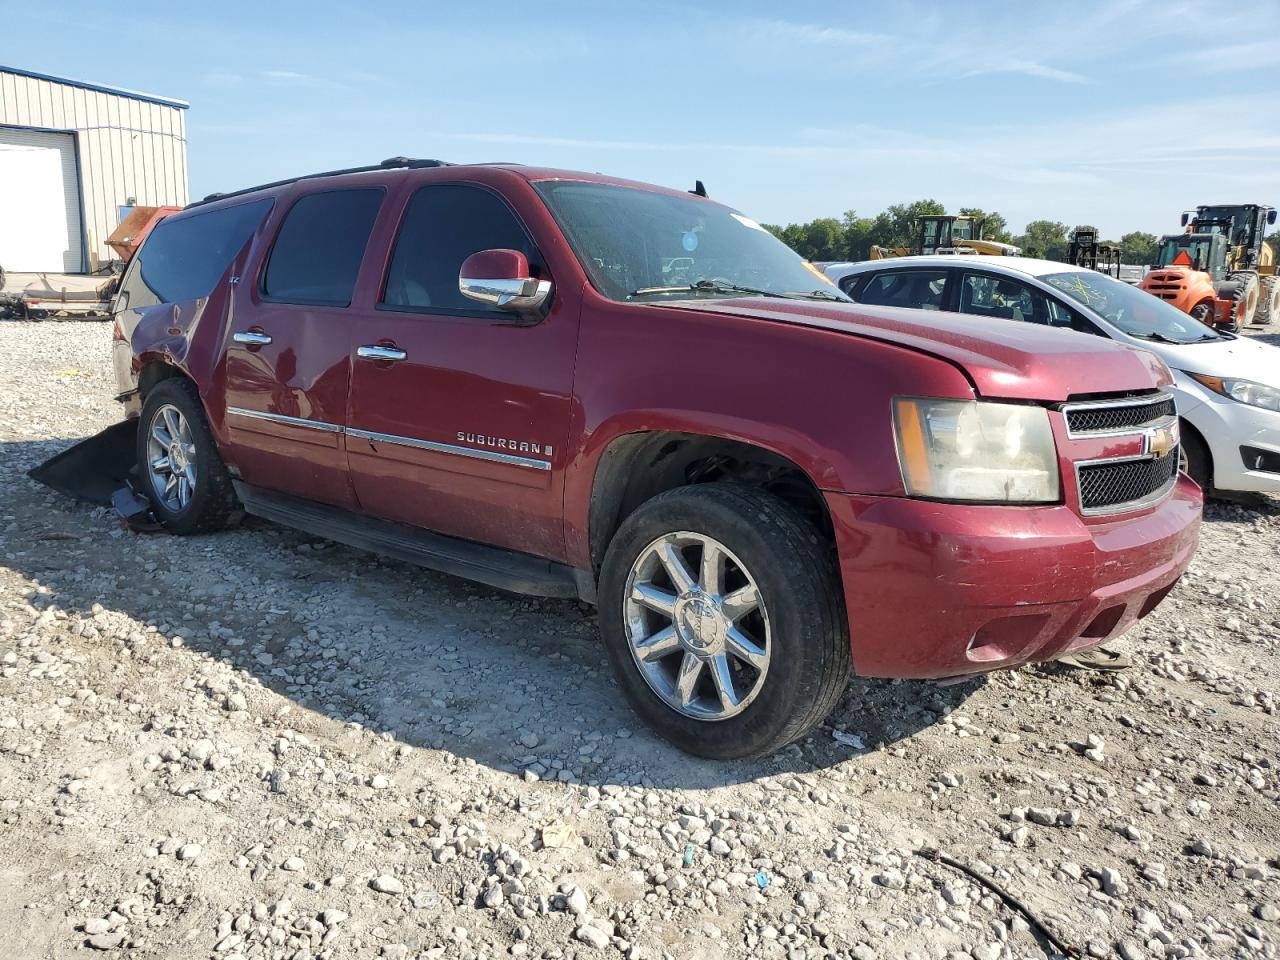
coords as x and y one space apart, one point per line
1134 311
641 245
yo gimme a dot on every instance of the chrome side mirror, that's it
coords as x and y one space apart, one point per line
500 278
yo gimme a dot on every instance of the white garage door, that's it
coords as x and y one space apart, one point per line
39 202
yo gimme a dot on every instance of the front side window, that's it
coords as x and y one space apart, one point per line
184 257
1134 311
921 289
443 225
318 250
643 245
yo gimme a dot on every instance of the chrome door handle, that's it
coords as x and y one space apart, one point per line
370 352
251 338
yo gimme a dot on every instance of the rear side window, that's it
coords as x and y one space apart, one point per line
921 289
443 225
991 296
318 250
184 258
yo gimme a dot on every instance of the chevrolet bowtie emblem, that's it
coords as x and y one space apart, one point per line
1159 441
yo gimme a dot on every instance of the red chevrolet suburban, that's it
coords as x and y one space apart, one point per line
569 385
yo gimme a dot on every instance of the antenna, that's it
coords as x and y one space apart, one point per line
698 189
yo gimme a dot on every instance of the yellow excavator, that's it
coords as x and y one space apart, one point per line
947 234
1251 263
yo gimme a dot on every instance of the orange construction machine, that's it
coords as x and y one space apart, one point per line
1191 274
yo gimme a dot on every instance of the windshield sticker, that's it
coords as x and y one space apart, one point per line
748 222
689 241
1087 294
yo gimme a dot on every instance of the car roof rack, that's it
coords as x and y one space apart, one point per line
391 163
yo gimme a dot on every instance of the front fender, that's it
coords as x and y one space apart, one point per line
820 399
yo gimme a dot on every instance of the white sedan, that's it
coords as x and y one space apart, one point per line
1227 388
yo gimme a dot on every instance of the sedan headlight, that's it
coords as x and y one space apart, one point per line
1246 391
969 450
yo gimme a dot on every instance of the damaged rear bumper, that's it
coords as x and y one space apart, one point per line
938 590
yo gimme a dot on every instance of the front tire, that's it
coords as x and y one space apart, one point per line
723 618
1194 457
1249 292
182 473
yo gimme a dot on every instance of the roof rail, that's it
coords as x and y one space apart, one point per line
391 163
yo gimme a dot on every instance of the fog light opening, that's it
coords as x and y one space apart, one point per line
1104 623
1153 601
1006 638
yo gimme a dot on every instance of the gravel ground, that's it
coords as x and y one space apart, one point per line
258 744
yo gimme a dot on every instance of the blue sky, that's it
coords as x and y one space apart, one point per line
1120 113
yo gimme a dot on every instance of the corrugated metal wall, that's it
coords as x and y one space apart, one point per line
128 147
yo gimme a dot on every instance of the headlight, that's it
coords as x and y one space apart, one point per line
1246 391
968 450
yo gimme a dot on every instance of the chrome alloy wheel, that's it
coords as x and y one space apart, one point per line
171 458
701 641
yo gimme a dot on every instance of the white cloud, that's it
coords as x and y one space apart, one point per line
1029 68
295 79
1236 56
790 31
1122 169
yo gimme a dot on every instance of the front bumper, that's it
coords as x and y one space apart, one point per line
939 590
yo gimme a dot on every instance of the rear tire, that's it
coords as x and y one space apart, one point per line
190 491
1268 300
1196 460
799 659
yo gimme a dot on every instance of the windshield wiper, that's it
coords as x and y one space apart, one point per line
1159 338
724 286
820 295
706 286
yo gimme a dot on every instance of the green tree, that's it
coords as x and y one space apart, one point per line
994 226
1138 247
1046 239
823 240
857 235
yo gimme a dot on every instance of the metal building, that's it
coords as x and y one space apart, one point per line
72 154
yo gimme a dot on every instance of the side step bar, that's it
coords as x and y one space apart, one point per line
504 569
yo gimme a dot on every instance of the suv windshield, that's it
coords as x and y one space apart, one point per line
641 245
1134 311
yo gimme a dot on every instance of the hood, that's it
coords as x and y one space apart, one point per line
1003 358
1242 358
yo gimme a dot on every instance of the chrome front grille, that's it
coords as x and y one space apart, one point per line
1107 486
1118 416
1128 449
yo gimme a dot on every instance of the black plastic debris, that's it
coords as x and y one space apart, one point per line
135 511
93 469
